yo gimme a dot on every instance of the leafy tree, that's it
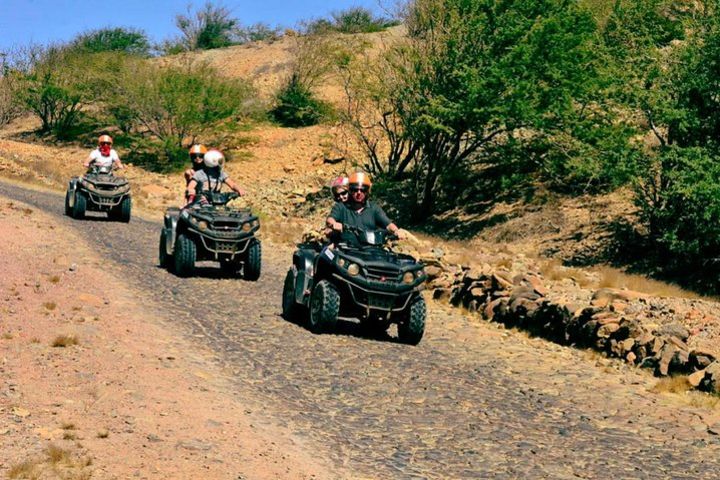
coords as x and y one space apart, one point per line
477 74
130 41
56 84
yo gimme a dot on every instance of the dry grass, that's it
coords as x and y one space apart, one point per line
50 306
554 270
26 470
103 434
677 384
35 340
614 278
55 463
7 336
65 341
704 400
67 426
55 279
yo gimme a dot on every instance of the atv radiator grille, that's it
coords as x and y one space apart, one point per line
225 225
383 274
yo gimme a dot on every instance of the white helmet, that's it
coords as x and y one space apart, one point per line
213 158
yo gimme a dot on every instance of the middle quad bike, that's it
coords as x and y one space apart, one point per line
211 230
359 278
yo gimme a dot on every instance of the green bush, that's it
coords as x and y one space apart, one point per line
210 27
351 20
130 41
679 199
297 106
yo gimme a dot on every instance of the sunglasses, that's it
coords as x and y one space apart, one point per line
105 143
344 193
195 156
361 189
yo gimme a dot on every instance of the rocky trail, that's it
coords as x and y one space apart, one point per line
471 401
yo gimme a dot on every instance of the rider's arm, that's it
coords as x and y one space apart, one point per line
234 186
90 159
333 220
190 192
116 159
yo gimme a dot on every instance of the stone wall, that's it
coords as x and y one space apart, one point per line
613 321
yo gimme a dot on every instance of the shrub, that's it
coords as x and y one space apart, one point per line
211 27
130 41
166 105
351 20
297 106
257 33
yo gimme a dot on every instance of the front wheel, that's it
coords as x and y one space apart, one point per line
253 262
324 307
125 208
412 328
79 205
184 256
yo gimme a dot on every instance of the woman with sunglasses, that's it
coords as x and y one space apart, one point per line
104 155
358 211
197 154
339 188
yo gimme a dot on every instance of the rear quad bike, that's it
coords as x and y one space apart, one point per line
211 231
360 278
99 191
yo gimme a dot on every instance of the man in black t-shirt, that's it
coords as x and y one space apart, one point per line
358 212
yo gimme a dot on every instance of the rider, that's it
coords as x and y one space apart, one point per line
339 188
104 155
358 211
197 153
211 177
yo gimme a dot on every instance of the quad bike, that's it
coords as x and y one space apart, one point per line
360 278
99 191
211 230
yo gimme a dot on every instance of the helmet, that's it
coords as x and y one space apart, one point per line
105 139
198 149
340 183
213 158
360 179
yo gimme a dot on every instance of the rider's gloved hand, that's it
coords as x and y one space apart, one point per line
337 226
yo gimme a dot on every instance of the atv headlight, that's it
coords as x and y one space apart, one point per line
341 262
255 223
246 227
408 277
202 225
354 269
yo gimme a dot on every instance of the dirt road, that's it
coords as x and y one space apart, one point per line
471 401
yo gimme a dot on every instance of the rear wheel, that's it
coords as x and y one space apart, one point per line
163 257
68 209
412 328
79 205
289 306
324 307
184 256
253 262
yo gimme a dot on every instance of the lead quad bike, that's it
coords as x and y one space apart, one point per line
99 191
211 230
361 278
